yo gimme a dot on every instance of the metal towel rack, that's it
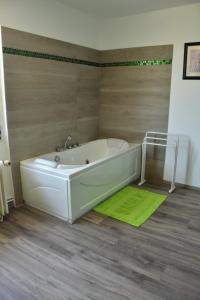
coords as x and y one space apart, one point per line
160 139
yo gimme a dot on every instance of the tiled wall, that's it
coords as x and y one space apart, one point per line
134 96
48 98
54 89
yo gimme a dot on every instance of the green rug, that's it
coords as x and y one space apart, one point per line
131 205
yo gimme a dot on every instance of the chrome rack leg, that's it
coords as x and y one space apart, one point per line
142 180
173 187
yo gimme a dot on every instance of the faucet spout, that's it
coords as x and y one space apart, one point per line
67 141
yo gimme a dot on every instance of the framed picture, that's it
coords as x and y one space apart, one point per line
191 63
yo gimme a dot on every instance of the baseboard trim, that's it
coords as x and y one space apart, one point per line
186 186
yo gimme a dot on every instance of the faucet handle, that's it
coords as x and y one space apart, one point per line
75 145
58 148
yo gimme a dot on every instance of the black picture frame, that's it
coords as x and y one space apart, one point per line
191 61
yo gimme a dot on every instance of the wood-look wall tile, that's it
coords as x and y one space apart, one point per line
27 41
135 99
87 128
47 100
138 53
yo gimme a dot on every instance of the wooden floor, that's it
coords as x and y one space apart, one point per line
98 258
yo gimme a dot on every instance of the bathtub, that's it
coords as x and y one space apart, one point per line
68 184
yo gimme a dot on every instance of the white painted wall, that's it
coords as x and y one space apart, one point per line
171 26
50 18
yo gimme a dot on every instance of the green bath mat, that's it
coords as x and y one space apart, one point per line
131 205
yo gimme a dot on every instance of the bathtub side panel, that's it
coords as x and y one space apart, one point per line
45 192
96 184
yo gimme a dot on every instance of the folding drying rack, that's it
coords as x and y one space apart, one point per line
160 139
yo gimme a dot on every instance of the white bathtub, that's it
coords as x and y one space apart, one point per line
69 188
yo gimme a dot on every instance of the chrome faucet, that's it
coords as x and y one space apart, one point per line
66 146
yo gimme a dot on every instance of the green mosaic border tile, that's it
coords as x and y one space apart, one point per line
41 55
138 63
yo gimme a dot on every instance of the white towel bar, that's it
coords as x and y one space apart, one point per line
149 140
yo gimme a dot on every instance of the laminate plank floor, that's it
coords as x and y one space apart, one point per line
98 258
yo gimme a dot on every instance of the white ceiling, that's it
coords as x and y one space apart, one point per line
120 8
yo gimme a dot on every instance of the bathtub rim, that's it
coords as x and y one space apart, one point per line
70 173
